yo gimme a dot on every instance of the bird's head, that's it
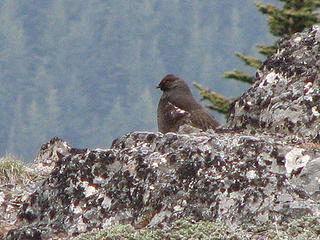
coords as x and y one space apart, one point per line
171 82
177 92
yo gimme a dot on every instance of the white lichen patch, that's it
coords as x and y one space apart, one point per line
318 180
285 197
158 162
309 90
81 226
88 189
101 149
178 208
108 221
270 78
297 39
2 197
315 111
98 180
308 85
106 203
147 195
159 217
295 159
76 209
251 174
308 98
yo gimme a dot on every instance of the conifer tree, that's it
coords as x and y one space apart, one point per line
292 17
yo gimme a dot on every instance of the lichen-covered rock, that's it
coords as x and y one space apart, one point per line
250 171
148 179
286 95
49 154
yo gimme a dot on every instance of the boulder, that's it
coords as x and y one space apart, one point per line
286 94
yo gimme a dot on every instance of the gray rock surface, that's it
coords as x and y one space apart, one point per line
286 95
263 165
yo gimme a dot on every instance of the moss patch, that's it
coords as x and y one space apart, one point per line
306 228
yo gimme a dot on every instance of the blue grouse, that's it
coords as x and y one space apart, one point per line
177 107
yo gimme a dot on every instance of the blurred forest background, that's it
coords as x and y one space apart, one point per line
87 71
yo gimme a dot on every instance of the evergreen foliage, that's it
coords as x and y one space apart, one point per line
292 17
220 102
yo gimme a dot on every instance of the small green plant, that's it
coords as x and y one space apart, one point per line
304 228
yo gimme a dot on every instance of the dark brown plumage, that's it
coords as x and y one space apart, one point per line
177 107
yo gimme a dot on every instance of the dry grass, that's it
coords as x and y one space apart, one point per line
14 171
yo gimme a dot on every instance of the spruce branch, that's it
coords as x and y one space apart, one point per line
217 102
239 76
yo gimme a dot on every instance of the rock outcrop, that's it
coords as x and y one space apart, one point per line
285 97
263 165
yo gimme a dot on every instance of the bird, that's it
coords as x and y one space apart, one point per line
178 107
